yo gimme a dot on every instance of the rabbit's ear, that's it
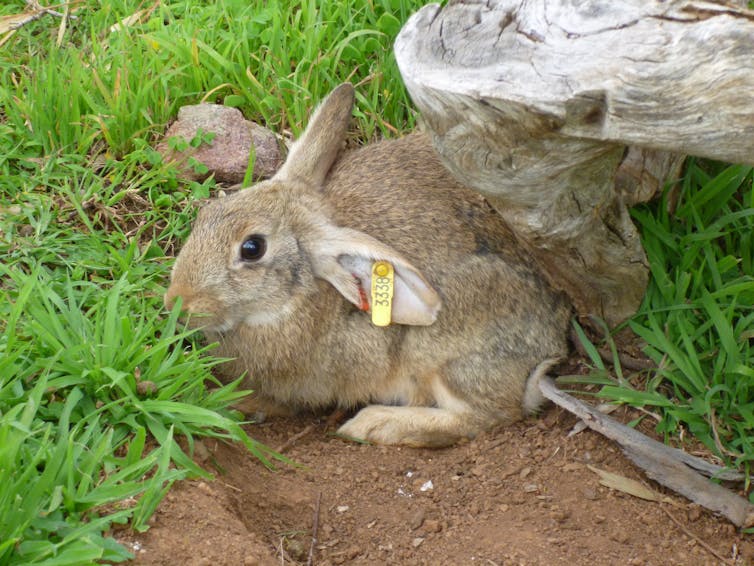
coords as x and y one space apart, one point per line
344 258
311 157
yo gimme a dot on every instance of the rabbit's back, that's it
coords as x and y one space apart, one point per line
398 191
499 318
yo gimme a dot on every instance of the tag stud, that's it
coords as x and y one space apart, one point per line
383 285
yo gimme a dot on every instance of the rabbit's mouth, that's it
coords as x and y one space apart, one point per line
206 322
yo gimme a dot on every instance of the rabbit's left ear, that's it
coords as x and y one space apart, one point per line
312 155
344 257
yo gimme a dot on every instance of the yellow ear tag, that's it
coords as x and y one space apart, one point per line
383 285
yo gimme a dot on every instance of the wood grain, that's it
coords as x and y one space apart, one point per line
564 113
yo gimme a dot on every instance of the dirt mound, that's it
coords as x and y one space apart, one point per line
516 495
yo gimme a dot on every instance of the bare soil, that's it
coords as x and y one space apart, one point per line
515 495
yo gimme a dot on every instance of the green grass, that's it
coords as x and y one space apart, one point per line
102 393
697 318
698 315
101 397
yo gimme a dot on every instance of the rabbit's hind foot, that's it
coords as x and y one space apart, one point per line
429 427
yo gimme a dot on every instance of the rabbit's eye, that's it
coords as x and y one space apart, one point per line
253 248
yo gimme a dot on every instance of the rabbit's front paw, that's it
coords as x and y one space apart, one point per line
409 426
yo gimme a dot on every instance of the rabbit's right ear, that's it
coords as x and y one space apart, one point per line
311 157
344 257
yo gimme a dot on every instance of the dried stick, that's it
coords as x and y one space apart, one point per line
295 438
699 541
669 466
315 530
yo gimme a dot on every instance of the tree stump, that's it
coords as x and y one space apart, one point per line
565 113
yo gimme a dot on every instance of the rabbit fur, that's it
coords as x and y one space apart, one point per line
474 319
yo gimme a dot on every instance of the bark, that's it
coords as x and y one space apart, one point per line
564 113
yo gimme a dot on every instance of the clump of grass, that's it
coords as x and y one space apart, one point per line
86 373
274 60
96 384
698 314
697 318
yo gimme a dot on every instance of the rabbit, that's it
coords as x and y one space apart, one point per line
279 274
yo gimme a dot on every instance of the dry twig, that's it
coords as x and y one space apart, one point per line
695 538
295 438
315 531
10 24
669 466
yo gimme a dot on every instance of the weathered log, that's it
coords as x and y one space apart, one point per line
534 103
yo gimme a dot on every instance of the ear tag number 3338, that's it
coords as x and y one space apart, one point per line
383 285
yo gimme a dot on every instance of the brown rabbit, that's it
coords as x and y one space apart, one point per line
280 273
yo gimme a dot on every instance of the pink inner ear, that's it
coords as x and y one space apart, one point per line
364 305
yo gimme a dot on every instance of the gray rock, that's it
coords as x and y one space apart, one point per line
227 155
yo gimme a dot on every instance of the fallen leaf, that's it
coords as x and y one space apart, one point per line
629 486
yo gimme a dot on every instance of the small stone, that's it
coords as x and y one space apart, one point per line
417 542
621 537
531 488
477 471
342 508
510 471
524 472
432 526
251 561
694 514
590 494
352 552
559 515
518 499
417 519
296 549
